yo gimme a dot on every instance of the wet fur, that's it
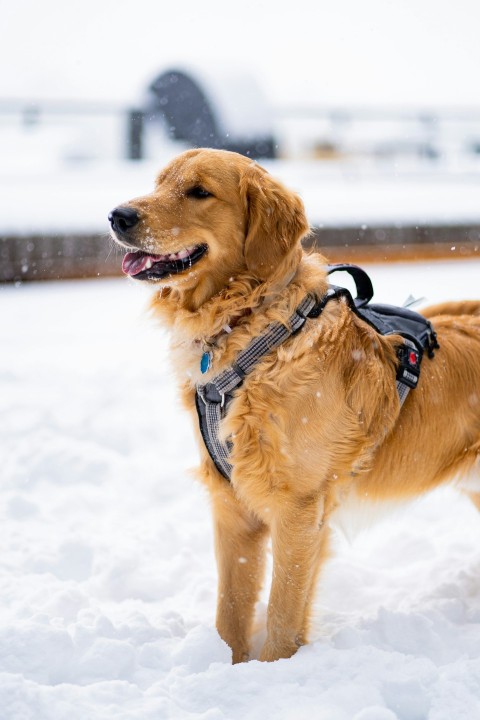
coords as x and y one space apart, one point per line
317 425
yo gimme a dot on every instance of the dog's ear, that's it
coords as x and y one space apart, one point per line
275 221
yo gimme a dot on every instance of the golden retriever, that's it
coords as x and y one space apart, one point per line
316 428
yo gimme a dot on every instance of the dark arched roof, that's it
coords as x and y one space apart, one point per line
227 114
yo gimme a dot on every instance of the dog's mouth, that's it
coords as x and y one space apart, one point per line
145 266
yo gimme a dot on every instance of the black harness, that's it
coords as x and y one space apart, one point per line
213 399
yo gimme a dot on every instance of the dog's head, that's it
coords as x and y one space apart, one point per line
212 215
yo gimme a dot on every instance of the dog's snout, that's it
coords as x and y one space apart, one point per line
123 219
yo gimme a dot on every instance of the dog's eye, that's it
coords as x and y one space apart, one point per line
198 192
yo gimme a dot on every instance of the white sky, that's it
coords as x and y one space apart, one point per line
302 51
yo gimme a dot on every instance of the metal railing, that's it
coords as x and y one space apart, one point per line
306 131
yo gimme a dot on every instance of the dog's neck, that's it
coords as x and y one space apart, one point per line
241 298
268 298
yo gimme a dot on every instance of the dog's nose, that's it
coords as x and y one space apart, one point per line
123 219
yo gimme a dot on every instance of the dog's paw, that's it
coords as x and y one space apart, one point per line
240 656
272 651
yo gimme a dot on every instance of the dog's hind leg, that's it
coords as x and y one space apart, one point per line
240 548
298 544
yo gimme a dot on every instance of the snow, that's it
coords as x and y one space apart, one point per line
107 572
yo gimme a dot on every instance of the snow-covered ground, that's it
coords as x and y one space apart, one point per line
106 566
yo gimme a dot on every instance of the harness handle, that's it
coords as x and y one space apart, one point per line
362 282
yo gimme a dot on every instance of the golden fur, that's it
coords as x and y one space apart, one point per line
317 424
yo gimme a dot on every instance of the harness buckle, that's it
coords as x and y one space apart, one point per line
209 394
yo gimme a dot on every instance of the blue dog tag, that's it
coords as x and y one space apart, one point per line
206 362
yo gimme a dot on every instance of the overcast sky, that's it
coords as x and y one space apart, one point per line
316 52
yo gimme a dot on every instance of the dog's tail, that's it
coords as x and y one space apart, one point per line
461 307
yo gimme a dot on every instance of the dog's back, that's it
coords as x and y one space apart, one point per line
461 307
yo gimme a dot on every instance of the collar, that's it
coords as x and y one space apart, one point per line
226 329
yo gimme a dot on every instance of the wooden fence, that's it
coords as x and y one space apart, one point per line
48 257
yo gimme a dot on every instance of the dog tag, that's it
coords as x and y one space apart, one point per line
206 362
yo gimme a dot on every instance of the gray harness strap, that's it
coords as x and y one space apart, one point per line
213 398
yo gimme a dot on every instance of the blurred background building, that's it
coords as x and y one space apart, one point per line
372 114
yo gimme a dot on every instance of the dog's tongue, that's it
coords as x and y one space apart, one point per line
135 262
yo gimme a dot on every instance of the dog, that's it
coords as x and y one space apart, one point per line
316 430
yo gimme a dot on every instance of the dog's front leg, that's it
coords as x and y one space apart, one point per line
298 543
240 540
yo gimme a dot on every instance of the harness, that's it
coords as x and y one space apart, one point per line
213 399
